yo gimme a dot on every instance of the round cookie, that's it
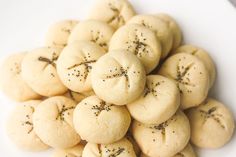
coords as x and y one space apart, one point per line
202 55
140 41
99 122
75 63
12 83
165 139
75 151
114 12
212 124
20 127
160 28
186 152
59 33
77 97
53 122
122 148
118 77
174 27
91 30
191 76
160 101
39 71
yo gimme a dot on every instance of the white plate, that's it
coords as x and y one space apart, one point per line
209 24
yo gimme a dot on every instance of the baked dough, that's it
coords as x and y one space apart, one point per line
122 148
59 33
75 151
159 27
202 55
92 30
118 77
39 71
165 139
114 12
53 122
99 122
159 102
75 63
140 41
20 127
12 83
191 76
212 124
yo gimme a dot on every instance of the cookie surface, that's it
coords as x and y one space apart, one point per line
159 27
191 76
92 30
186 152
92 116
160 101
118 74
122 148
165 139
12 83
20 127
140 41
39 71
212 124
174 27
53 122
114 12
202 55
59 33
75 151
75 63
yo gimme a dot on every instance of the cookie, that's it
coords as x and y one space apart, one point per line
140 41
191 76
75 151
202 55
165 139
159 27
212 124
160 101
99 122
174 27
186 152
114 12
39 71
53 122
92 30
59 33
75 63
12 83
122 148
77 97
118 77
20 127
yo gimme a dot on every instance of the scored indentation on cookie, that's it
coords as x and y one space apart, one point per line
96 35
49 61
211 114
140 46
62 112
117 15
152 88
28 122
143 23
183 76
115 151
102 107
87 63
162 127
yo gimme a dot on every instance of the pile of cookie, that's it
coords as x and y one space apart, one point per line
115 85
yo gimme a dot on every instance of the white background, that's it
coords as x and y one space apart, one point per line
210 24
